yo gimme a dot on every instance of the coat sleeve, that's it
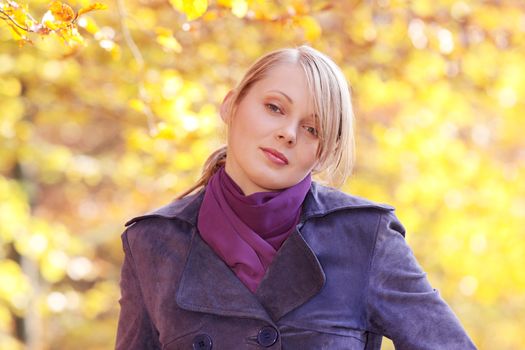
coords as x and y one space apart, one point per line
401 304
135 328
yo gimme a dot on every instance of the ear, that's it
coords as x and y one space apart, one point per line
225 106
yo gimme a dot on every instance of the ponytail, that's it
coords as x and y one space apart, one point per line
216 160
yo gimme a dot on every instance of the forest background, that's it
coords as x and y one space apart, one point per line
110 113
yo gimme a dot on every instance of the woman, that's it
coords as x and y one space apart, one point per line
256 255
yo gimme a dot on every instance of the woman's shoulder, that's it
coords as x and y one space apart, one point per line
184 209
324 199
361 212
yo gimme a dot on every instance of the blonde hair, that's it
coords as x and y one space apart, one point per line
333 112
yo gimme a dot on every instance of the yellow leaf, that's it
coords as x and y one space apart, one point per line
20 16
184 161
14 282
163 31
165 131
15 32
423 7
89 25
169 43
167 40
312 29
72 37
93 7
191 8
137 105
239 8
210 16
49 21
61 11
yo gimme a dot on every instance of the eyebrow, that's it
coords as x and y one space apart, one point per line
282 93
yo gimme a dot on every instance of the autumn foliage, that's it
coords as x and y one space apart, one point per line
107 114
59 19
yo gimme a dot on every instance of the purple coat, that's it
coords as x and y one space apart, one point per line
342 280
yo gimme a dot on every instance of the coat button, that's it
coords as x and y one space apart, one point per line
202 342
267 336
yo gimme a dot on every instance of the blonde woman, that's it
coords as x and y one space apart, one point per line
256 255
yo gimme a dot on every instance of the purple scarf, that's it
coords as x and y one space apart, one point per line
246 231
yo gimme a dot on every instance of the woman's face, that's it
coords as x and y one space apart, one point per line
272 140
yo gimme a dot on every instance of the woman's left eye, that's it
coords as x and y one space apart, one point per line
311 130
273 108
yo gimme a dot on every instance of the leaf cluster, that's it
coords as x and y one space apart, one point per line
59 19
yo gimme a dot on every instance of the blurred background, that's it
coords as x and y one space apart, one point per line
116 117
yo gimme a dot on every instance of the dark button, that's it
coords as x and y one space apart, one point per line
202 342
267 336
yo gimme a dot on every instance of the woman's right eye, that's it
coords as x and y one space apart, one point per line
273 108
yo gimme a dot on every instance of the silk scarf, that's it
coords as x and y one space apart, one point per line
246 231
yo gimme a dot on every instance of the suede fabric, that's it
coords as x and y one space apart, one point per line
342 280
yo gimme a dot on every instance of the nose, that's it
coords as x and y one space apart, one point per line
287 134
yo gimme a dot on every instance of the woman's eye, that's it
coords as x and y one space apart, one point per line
273 108
311 130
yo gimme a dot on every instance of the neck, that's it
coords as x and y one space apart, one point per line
247 187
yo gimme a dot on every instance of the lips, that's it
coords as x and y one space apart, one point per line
275 156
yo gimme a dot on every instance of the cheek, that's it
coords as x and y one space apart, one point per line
308 154
245 122
238 128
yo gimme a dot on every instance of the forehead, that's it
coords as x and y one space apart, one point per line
288 78
287 74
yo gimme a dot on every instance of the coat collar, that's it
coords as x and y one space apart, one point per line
295 275
319 201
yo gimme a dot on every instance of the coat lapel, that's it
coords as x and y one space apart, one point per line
208 285
294 276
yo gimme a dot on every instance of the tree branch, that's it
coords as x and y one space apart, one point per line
14 22
137 55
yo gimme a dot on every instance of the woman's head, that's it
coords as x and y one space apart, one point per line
272 132
321 101
330 100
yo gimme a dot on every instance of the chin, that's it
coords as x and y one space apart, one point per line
264 183
271 185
